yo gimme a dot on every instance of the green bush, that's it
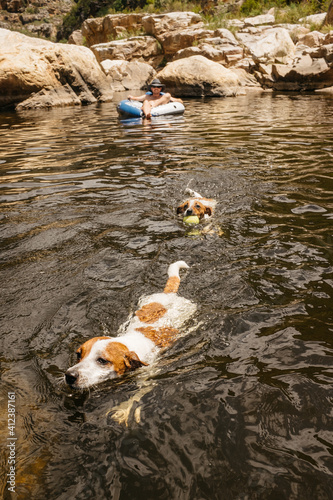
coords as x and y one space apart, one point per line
293 9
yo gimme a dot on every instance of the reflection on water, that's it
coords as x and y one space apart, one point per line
240 407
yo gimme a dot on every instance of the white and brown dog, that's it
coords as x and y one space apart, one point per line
196 205
155 325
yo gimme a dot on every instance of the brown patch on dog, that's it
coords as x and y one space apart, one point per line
162 337
172 285
182 208
85 348
208 211
151 312
121 357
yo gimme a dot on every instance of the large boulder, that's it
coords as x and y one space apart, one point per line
178 40
30 65
142 48
305 74
176 30
198 76
126 75
222 47
104 29
156 25
270 45
226 54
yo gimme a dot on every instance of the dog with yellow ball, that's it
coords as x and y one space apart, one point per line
196 209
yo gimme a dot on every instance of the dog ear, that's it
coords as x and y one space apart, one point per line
132 361
208 211
180 209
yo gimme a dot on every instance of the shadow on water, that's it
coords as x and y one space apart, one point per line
241 406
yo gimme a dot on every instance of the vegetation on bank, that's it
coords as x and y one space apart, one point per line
215 13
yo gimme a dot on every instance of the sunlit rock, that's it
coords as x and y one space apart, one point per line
235 23
227 54
225 37
259 20
222 47
312 39
295 30
305 74
50 97
314 19
127 75
325 51
156 25
175 41
245 78
264 74
269 45
198 76
176 30
76 38
104 29
143 48
29 65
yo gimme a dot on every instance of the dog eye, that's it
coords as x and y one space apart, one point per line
186 206
197 206
78 355
102 361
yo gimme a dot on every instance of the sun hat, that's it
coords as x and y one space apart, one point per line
156 83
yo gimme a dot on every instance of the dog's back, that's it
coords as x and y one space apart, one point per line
155 325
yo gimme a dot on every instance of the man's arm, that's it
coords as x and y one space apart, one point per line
139 98
175 99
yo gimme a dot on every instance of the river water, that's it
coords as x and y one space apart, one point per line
240 407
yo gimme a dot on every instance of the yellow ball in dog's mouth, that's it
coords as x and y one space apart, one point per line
191 219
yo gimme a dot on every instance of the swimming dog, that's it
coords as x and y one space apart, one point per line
155 325
196 205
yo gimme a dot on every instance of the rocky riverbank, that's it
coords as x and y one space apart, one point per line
178 48
41 18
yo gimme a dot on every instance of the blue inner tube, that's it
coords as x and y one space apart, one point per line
133 108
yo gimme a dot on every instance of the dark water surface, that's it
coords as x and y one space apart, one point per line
241 406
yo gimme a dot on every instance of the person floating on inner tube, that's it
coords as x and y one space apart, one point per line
154 97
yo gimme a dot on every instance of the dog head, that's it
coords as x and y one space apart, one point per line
199 207
99 359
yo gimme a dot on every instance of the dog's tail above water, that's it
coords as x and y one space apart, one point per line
174 278
192 193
